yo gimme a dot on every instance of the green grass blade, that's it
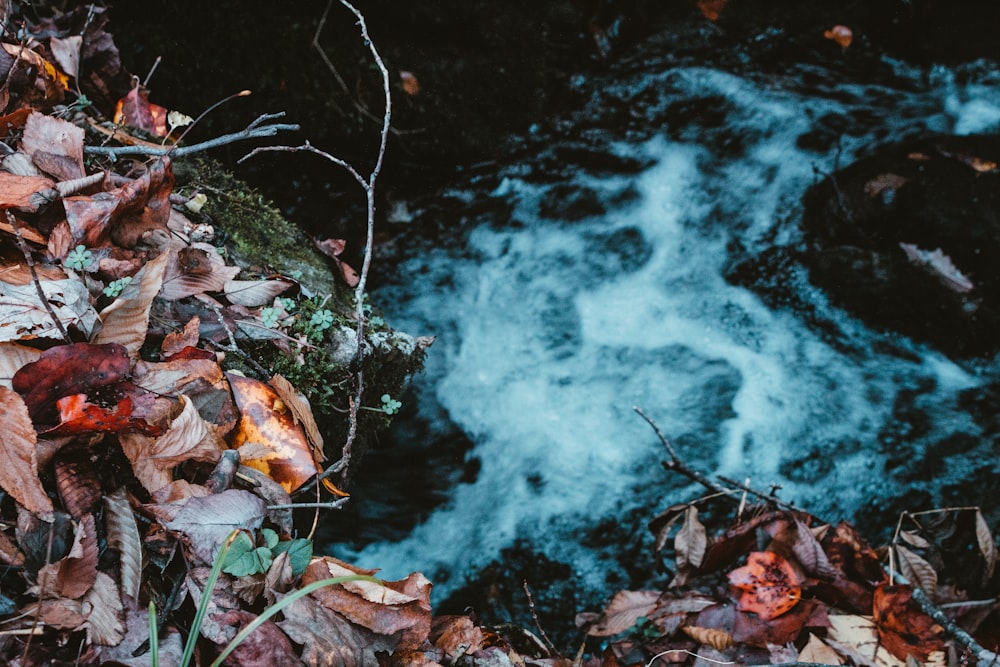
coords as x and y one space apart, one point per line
206 597
275 608
154 637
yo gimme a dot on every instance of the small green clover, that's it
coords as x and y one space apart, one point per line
269 316
322 319
79 258
288 304
376 321
116 287
390 406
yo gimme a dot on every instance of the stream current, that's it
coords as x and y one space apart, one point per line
589 275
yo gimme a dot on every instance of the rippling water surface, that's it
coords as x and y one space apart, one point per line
580 282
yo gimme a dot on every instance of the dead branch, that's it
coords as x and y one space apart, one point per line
262 127
676 464
368 185
538 624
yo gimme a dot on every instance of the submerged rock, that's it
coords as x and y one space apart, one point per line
908 240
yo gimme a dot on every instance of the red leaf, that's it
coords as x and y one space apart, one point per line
840 34
903 627
135 110
768 583
66 370
76 415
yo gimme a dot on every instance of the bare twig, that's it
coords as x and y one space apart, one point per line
538 624
34 276
332 505
261 127
676 464
368 185
767 497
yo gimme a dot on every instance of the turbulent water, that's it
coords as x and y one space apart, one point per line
576 284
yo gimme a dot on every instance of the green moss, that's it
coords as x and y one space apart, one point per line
260 237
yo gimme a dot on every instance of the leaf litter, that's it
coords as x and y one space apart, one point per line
120 492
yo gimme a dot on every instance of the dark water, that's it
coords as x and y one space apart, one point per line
591 273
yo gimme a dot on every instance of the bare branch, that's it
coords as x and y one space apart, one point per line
34 276
255 130
676 464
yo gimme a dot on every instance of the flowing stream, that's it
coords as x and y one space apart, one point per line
593 273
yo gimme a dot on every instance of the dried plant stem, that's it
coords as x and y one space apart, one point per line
538 624
262 127
34 276
676 464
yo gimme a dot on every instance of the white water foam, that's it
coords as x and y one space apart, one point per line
547 338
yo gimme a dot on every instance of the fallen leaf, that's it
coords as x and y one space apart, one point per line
623 611
456 635
409 82
176 341
135 110
940 265
255 293
691 541
987 547
12 357
211 274
301 412
768 584
266 646
77 415
840 34
105 623
817 652
205 522
712 9
23 315
917 570
903 627
77 483
18 460
66 53
123 537
268 438
126 319
25 193
77 572
328 639
55 145
856 638
720 640
883 182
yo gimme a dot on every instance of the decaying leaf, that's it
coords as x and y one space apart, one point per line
176 341
23 315
903 627
254 293
711 9
196 269
127 318
940 265
769 585
77 572
917 570
55 145
720 640
66 370
135 110
456 635
691 541
204 523
105 622
12 357
266 646
25 193
623 611
268 438
987 547
816 651
327 639
18 459
123 537
301 412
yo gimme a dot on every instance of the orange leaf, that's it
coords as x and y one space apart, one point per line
903 627
76 415
269 439
769 585
409 81
840 34
712 8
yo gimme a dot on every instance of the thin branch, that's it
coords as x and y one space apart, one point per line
34 276
255 130
676 464
763 496
332 505
538 624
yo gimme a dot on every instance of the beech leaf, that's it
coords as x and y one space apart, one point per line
254 293
54 138
691 541
623 611
127 318
206 522
18 458
917 570
987 547
24 316
815 651
106 620
123 537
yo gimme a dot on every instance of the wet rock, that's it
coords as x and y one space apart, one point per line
908 240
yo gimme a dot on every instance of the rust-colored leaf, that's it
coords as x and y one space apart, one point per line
78 485
23 192
266 646
77 415
267 435
720 640
409 82
840 34
78 571
55 145
769 585
711 9
456 635
903 627
301 412
18 459
135 110
176 341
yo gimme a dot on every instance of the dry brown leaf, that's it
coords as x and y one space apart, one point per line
18 458
199 269
55 145
903 627
78 485
720 640
123 536
266 646
78 570
810 555
987 547
327 639
255 293
25 193
623 611
856 638
914 539
882 182
301 412
840 34
204 523
691 541
917 570
66 53
457 635
396 607
12 357
816 651
939 265
174 342
127 318
106 621
177 491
